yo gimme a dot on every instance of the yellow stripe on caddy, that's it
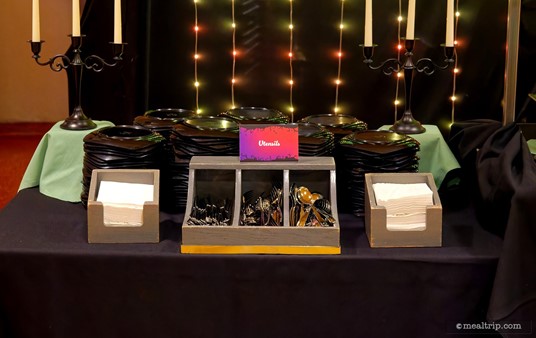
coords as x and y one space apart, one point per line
260 249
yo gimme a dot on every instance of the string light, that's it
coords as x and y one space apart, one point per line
339 55
291 56
456 70
233 79
399 51
196 58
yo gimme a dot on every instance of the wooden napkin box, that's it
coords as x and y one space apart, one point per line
148 232
376 216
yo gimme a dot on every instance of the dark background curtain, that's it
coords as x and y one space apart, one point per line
158 66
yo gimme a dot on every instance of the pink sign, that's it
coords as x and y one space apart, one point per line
268 142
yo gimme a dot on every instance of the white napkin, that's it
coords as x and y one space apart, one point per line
123 202
405 204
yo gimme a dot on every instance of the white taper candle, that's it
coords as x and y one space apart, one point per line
368 23
76 18
36 29
449 38
410 28
118 35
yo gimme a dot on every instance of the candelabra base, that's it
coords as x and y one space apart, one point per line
408 125
78 121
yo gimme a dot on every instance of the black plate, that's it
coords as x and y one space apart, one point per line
212 123
126 132
378 137
173 114
254 113
331 120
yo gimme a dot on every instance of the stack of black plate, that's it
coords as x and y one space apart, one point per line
199 136
120 147
315 140
162 121
253 115
340 125
375 151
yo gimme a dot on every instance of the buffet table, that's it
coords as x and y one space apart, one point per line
55 284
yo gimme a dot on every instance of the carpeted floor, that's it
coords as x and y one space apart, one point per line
17 145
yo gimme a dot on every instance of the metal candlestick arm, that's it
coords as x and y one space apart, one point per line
407 124
77 120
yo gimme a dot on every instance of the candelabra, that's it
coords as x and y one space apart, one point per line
77 120
407 124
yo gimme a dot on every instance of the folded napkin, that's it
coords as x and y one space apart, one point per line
405 204
122 202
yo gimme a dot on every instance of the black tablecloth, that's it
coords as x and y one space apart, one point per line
54 284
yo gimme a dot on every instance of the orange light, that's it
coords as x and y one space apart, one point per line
290 54
196 28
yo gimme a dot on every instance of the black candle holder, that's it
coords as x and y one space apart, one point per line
77 120
407 124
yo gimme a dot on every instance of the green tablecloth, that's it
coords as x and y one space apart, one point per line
532 146
435 155
56 165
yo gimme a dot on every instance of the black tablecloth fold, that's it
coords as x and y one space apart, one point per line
506 174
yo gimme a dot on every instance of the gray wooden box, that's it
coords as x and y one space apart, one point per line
229 177
148 232
376 216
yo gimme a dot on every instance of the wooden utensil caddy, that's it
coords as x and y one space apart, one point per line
227 177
